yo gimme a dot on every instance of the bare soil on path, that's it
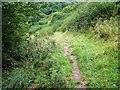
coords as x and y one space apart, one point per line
77 76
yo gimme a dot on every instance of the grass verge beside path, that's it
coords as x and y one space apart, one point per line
45 66
97 59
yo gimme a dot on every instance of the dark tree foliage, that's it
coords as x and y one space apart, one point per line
14 27
96 11
17 18
49 8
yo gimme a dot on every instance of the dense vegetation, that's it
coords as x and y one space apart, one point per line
33 59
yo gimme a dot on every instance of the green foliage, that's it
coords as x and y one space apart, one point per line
97 58
49 8
70 8
98 63
56 75
46 66
32 59
106 29
15 27
18 19
80 16
18 79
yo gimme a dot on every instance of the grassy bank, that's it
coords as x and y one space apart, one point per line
45 66
36 58
97 56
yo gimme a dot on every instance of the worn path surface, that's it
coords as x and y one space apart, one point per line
65 44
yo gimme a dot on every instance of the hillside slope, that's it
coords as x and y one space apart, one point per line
86 45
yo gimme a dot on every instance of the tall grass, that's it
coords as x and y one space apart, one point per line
83 15
45 66
97 56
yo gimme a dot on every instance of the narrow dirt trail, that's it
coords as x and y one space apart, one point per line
77 76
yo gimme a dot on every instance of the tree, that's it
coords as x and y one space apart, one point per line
14 27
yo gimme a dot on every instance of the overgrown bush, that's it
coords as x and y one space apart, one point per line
15 26
88 13
106 29
84 15
41 68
